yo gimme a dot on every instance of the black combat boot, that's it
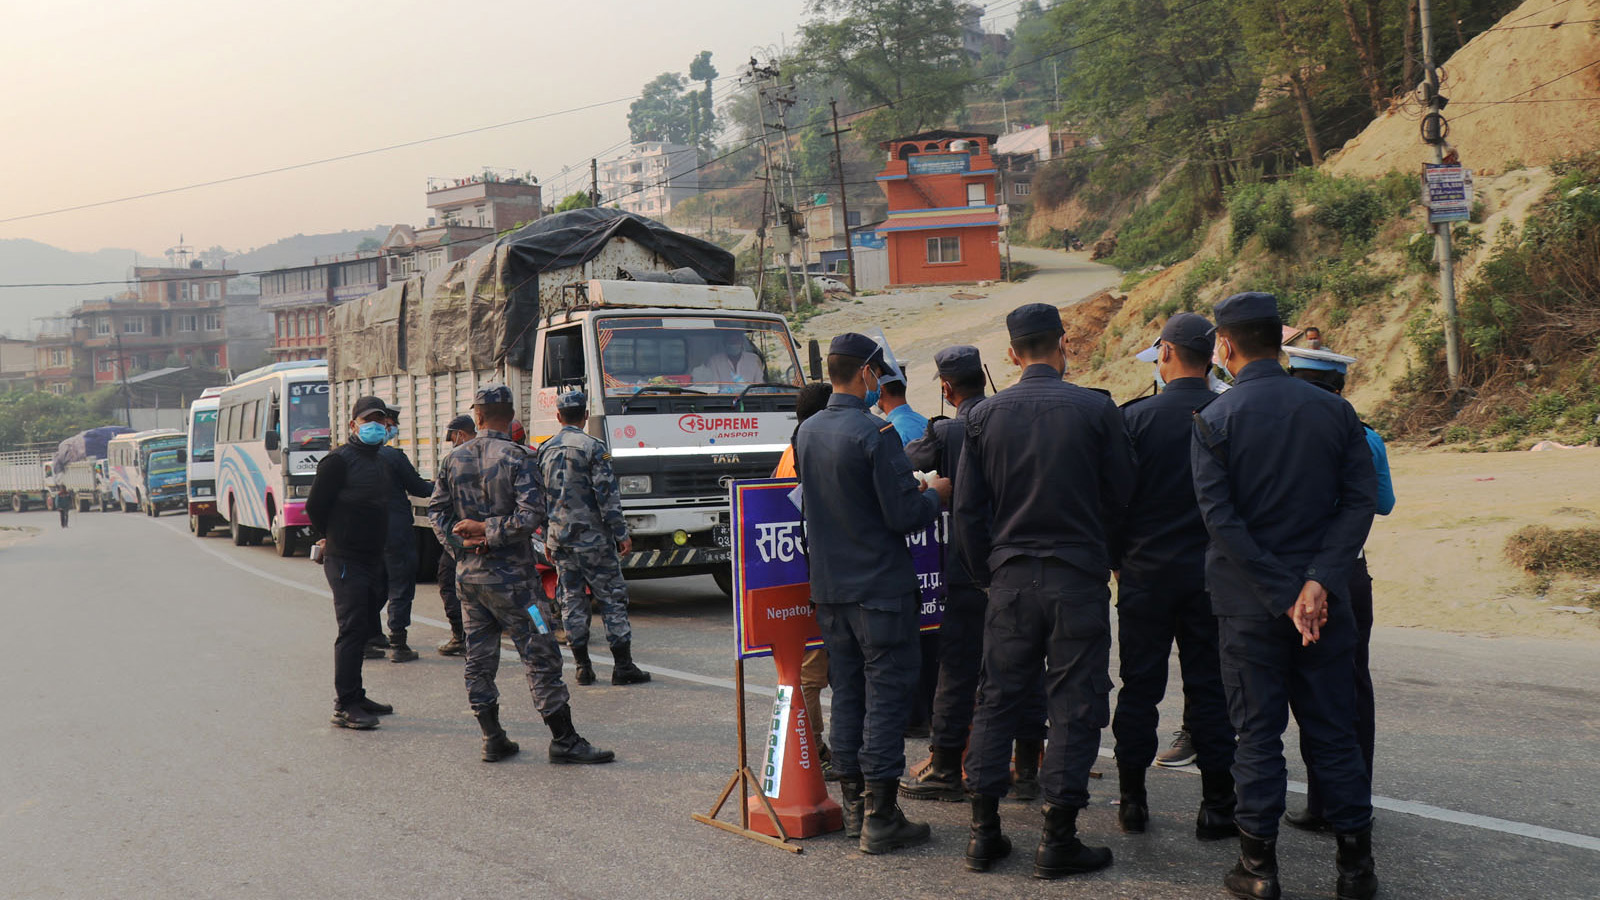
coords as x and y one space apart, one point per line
402 652
1307 819
987 846
373 649
1133 810
850 789
496 746
457 645
1255 875
1060 852
580 655
1215 819
885 828
1358 878
353 716
939 779
623 671
374 707
1025 770
567 747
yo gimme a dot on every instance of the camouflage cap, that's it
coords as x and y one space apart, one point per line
572 400
492 393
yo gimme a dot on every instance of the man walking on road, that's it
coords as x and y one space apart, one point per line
460 430
400 554
1045 477
1161 596
348 509
1286 485
586 537
486 505
860 500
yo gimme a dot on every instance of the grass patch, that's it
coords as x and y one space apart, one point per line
1541 550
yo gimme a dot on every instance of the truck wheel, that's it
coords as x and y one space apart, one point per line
18 504
83 506
105 503
724 578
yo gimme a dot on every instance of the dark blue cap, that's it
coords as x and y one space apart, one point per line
1251 306
954 362
491 393
858 345
364 405
461 423
573 400
1034 318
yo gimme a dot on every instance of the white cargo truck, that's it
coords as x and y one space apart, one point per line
90 484
689 384
22 481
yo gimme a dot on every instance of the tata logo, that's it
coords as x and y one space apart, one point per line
694 423
726 459
725 482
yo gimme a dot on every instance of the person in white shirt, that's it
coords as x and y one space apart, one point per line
735 364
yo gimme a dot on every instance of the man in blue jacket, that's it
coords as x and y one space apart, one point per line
1285 481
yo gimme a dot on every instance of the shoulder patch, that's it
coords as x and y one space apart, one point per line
605 454
886 428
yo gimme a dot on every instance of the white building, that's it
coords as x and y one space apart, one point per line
650 178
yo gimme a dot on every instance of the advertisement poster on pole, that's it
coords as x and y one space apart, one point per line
1447 192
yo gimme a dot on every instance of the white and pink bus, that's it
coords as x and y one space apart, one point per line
272 430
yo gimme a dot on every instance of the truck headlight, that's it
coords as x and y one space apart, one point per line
634 484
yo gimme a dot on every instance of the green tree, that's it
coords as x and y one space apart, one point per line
574 200
668 111
368 243
902 57
38 416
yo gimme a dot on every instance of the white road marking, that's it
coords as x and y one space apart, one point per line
1408 807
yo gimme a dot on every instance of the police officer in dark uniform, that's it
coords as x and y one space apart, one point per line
860 500
960 636
1046 473
1161 589
1287 490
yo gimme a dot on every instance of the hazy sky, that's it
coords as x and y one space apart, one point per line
119 97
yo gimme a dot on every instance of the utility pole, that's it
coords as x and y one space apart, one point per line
780 104
761 246
1433 132
594 182
760 74
844 204
122 369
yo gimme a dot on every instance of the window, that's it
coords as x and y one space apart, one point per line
318 279
103 364
214 359
58 357
213 321
479 212
977 195
1021 188
134 325
191 291
102 325
189 323
563 358
294 326
213 290
58 389
944 250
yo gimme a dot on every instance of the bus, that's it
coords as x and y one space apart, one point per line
272 430
128 466
202 470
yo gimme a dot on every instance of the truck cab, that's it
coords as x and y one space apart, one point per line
690 387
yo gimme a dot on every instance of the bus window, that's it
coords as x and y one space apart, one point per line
308 417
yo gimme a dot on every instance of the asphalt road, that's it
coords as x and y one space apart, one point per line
164 733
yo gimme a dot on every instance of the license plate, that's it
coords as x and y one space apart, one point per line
714 556
723 535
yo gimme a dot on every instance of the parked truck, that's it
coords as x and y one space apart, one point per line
689 384
22 481
89 483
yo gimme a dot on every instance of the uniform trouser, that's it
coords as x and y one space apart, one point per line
1149 619
358 587
960 658
447 589
1043 612
491 610
400 561
922 695
600 569
1266 674
874 659
1366 704
813 678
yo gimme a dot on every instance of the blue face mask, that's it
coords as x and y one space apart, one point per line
372 433
872 397
1160 382
394 432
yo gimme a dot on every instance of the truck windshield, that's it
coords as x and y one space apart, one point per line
164 469
308 416
705 355
203 436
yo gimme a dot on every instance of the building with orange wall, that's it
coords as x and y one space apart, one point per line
943 225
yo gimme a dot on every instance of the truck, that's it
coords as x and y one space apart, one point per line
690 385
90 484
166 481
133 482
22 481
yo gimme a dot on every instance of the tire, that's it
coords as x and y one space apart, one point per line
105 503
241 534
284 541
18 504
199 525
724 579
127 507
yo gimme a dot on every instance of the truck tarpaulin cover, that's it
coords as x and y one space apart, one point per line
89 444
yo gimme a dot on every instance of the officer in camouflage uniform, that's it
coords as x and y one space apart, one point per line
586 537
486 505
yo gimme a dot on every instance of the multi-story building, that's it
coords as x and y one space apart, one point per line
1019 154
60 364
468 213
173 316
301 299
16 365
944 224
650 178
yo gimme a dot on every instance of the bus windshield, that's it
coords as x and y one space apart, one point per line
203 436
705 355
308 416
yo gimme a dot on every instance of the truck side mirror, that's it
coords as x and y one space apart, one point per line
816 360
270 441
183 457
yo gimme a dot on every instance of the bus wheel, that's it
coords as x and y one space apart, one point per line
127 507
283 540
241 534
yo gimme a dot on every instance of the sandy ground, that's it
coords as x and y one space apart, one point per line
11 535
1438 561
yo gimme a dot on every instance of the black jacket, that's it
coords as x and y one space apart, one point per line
939 450
1163 542
349 502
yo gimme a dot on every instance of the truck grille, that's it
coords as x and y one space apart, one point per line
708 482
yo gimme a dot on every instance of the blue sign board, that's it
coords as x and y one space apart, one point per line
939 164
868 240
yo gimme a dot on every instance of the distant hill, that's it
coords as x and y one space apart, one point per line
24 261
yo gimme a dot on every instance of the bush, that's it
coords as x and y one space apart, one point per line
1544 550
1161 232
1264 209
1350 207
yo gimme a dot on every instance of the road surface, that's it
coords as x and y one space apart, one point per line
165 734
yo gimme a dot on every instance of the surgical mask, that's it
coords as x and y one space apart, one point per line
394 432
873 394
372 433
1161 383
